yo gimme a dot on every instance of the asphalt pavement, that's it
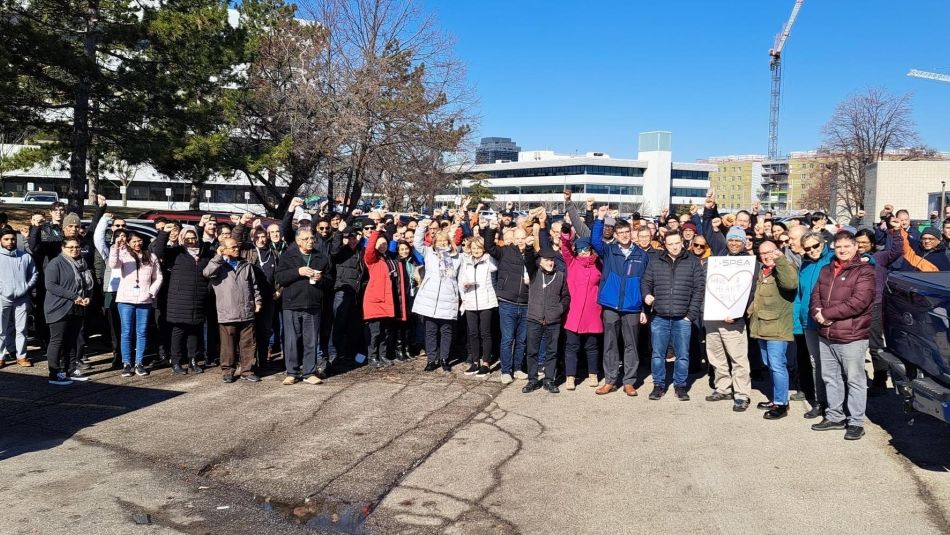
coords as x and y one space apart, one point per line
402 451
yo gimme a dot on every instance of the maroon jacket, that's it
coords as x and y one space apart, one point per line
845 300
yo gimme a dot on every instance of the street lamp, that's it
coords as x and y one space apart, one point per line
943 196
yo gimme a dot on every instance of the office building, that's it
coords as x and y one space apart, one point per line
496 149
785 182
737 180
646 184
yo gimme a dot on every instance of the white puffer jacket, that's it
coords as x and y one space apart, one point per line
438 294
481 296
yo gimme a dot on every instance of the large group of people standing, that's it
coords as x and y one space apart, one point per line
557 301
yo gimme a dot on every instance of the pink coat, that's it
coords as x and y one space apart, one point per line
583 283
149 277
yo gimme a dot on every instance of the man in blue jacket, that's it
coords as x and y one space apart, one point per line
624 264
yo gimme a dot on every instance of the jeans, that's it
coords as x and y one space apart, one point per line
545 336
514 332
842 370
663 331
774 356
137 315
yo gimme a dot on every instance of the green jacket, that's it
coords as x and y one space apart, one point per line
770 314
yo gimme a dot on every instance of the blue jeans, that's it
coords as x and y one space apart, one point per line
130 315
663 331
514 331
773 356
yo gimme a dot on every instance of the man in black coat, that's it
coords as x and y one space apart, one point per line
350 275
304 274
674 285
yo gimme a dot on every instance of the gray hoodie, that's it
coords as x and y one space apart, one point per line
18 275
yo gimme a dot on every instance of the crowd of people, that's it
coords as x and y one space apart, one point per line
579 296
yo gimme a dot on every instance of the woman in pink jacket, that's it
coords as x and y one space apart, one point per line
140 282
584 325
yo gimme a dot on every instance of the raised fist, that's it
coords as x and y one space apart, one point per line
101 200
294 204
567 195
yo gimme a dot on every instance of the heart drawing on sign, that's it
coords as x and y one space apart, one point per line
729 290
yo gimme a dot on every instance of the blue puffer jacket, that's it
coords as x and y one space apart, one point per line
620 285
807 279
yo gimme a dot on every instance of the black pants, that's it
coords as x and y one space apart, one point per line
212 341
346 333
64 338
479 324
573 343
549 334
805 376
438 339
876 339
183 334
380 336
264 329
403 334
111 315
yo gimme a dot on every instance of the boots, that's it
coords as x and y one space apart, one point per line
193 365
400 353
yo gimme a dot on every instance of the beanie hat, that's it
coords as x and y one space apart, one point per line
932 231
582 243
609 221
71 219
689 226
736 233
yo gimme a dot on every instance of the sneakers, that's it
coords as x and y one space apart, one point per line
854 432
83 366
506 379
312 380
290 380
141 371
61 379
680 393
569 383
520 375
24 363
776 412
472 369
815 412
718 396
548 384
592 381
228 378
127 370
532 385
251 378
483 371
78 376
657 393
797 396
827 425
740 405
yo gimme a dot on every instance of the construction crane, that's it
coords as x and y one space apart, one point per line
775 64
929 75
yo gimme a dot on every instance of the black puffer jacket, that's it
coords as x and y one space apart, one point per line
511 286
348 267
677 285
548 297
187 287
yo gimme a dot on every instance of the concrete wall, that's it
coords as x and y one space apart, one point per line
904 185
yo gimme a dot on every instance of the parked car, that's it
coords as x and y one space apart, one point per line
917 334
44 198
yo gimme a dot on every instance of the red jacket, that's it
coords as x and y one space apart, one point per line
845 300
379 301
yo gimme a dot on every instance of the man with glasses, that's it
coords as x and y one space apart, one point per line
673 286
928 255
841 305
624 264
304 274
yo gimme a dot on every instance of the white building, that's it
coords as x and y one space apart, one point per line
647 184
911 185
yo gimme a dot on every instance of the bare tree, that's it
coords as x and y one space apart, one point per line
863 129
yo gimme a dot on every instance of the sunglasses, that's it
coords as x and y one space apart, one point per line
323 228
118 226
812 247
699 246
584 250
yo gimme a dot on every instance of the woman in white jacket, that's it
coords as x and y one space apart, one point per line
437 299
479 302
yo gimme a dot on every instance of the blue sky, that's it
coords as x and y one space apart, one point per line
582 76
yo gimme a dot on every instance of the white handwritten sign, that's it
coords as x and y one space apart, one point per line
728 281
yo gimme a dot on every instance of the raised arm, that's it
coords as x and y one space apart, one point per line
785 273
567 249
99 237
912 258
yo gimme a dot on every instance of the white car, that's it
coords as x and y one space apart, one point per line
44 198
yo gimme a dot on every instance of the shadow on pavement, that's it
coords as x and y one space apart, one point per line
36 416
922 439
